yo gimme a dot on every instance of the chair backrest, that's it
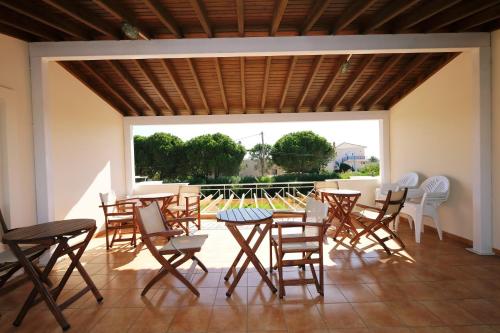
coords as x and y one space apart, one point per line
108 198
436 184
150 219
408 180
187 190
3 224
316 211
394 202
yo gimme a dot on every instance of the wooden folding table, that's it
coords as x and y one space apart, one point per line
261 219
341 204
56 233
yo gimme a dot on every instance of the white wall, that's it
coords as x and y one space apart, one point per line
17 182
87 147
431 133
495 40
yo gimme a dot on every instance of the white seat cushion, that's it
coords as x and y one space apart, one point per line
297 246
185 243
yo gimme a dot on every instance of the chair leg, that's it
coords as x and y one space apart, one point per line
281 292
270 252
321 274
435 218
202 265
107 235
418 226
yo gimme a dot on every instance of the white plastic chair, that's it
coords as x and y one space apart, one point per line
409 180
425 201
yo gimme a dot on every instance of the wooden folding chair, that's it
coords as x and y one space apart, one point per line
308 242
372 219
186 204
152 225
9 264
119 216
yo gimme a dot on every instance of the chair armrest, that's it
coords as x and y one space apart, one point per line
384 188
290 213
182 219
414 193
286 224
365 207
166 233
118 204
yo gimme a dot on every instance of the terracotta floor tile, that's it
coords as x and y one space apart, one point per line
191 319
357 293
472 329
154 320
262 295
302 317
413 313
450 313
484 310
228 319
376 314
265 317
332 294
116 320
440 329
341 315
238 297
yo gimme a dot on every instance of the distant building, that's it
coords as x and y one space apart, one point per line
348 153
251 168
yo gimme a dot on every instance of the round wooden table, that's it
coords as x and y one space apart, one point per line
53 233
262 220
341 202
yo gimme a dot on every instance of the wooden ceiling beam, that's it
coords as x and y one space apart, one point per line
314 14
45 17
468 8
279 11
117 9
329 83
367 60
18 33
265 84
201 13
421 13
167 66
198 84
106 83
240 14
71 68
387 13
310 78
242 85
288 79
148 74
27 26
478 19
218 72
130 82
164 16
368 86
398 78
80 14
350 14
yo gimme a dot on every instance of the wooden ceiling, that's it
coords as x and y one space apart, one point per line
250 84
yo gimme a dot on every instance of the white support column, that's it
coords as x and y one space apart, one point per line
128 139
481 151
384 131
41 137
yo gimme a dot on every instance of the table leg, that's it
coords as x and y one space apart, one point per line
251 257
240 254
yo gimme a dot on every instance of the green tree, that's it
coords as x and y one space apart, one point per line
158 156
262 153
213 154
371 169
302 152
373 159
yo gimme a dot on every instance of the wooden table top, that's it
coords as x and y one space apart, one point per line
49 230
339 192
244 215
153 196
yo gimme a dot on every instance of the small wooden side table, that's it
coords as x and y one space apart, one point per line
341 204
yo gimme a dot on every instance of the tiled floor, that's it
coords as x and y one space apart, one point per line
436 286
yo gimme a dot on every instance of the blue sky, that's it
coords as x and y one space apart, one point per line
363 132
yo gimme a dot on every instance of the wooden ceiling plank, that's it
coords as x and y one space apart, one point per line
310 78
25 25
47 18
288 79
198 84
201 13
265 84
421 13
164 16
387 13
350 14
106 83
70 67
468 8
368 59
314 14
218 72
148 74
167 66
83 16
130 82
117 9
240 14
242 85
389 64
279 11
478 19
331 80
398 78
18 33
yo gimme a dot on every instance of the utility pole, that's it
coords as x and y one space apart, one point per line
262 156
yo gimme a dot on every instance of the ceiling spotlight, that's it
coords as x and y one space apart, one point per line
130 31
